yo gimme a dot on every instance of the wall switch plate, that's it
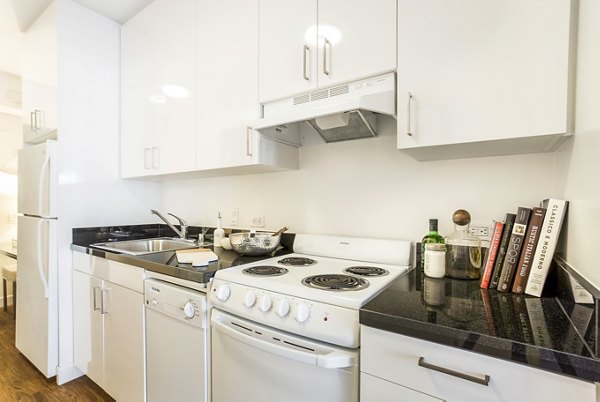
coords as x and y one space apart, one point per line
258 222
235 217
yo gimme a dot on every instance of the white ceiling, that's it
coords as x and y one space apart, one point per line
117 10
16 16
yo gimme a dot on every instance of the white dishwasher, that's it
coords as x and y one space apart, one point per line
176 343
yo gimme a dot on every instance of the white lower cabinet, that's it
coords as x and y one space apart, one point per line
392 369
109 325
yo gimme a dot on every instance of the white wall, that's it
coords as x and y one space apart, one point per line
8 207
367 187
577 162
90 191
10 91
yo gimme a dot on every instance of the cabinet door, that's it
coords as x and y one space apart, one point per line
227 81
288 48
123 343
357 39
481 70
159 89
40 78
138 103
173 31
88 326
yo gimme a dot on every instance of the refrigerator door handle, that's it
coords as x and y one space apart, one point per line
39 259
41 184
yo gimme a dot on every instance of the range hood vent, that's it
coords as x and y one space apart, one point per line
339 113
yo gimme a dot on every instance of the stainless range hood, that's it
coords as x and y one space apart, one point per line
339 113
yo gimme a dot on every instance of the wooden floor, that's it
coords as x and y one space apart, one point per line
21 381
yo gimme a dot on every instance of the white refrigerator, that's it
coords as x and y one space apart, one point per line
37 263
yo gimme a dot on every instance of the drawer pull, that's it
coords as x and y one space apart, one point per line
483 381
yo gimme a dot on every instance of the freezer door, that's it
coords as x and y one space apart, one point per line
38 180
37 308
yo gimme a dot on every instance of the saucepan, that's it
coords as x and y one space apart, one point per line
254 244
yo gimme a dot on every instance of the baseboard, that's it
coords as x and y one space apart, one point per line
66 374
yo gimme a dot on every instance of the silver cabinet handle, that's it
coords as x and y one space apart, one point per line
155 158
248 141
327 57
483 381
31 123
408 132
306 60
146 158
95 302
103 293
35 119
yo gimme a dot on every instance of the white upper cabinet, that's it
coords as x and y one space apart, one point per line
158 90
40 78
357 39
478 78
319 43
227 66
190 92
288 47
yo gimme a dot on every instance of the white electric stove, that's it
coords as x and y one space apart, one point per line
297 316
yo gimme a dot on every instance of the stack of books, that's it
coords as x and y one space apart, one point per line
522 248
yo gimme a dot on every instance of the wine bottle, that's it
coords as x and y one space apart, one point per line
432 237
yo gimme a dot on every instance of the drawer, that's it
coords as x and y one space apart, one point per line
128 276
82 262
395 358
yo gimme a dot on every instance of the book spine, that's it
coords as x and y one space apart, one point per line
514 250
509 221
491 255
555 213
529 246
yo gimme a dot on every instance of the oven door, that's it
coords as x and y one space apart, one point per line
251 362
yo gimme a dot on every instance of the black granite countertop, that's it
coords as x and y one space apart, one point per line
163 262
550 333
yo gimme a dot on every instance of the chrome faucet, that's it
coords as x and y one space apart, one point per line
183 224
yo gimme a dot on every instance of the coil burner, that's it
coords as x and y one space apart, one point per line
265 270
366 271
335 282
297 261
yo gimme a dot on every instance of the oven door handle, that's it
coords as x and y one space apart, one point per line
335 359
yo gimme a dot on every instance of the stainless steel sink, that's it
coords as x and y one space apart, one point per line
146 246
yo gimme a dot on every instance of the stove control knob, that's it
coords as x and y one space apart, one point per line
283 308
223 292
188 310
249 298
301 312
265 303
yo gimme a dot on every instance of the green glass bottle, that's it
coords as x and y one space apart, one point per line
432 237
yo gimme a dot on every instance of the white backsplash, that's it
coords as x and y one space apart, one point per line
367 187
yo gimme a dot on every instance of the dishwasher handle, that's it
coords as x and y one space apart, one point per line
335 359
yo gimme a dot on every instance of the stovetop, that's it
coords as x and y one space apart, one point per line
309 277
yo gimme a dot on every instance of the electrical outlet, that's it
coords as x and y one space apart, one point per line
258 222
235 217
479 231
